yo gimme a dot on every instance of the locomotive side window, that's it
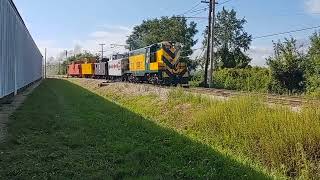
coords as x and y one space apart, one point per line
153 53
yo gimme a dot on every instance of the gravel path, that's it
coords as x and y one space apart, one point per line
6 110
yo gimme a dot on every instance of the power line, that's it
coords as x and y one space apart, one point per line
195 49
188 11
199 10
224 2
204 10
286 32
192 17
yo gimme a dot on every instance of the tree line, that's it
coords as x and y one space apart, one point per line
290 69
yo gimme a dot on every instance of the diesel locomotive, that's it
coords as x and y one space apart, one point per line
158 64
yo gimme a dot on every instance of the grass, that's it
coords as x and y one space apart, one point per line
66 132
276 139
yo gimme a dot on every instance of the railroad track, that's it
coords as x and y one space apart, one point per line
293 101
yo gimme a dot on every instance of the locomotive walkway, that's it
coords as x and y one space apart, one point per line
64 131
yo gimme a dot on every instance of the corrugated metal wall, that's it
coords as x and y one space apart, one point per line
20 58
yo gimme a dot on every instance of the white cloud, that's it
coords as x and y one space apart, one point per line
312 6
104 34
107 35
52 48
259 55
100 34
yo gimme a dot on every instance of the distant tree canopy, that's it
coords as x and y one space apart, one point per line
80 56
231 40
165 29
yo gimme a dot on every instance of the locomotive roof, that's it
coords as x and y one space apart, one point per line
163 42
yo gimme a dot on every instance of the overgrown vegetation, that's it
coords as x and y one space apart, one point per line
290 71
286 143
255 79
66 132
249 79
288 68
313 76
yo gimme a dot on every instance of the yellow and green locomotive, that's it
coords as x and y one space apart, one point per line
159 64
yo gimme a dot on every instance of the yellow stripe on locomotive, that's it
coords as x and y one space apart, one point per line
137 62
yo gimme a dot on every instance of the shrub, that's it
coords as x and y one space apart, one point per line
314 86
249 79
288 67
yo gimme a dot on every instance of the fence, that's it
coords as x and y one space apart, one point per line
20 58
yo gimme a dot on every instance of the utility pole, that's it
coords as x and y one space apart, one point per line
212 60
59 66
66 59
102 50
45 63
205 82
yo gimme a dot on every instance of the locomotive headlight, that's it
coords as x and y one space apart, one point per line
178 45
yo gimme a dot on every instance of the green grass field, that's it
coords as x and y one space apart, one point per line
275 140
66 132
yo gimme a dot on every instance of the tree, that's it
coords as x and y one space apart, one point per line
314 67
165 29
231 40
314 53
80 56
288 67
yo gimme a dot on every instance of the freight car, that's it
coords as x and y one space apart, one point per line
101 70
88 70
74 70
118 67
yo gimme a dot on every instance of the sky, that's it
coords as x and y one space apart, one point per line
82 25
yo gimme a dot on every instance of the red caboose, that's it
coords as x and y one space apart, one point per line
74 70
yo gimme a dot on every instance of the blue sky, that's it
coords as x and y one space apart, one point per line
66 24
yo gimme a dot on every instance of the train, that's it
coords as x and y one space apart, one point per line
157 64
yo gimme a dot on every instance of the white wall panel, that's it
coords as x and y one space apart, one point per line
20 58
